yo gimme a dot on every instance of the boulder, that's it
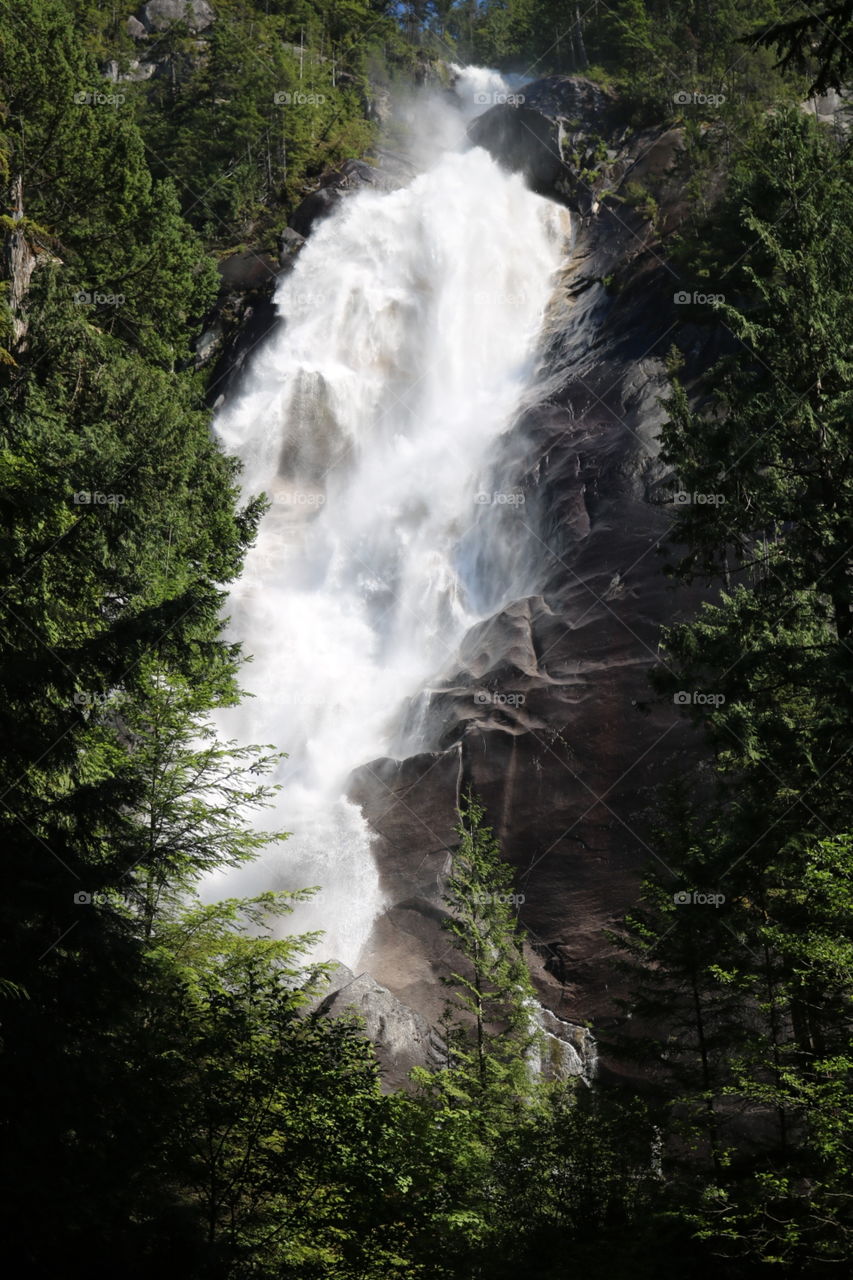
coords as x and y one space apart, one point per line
553 132
290 243
135 71
135 29
402 1037
248 269
336 976
159 15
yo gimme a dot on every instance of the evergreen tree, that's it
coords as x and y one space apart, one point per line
682 1025
271 1135
768 455
492 989
794 1209
818 41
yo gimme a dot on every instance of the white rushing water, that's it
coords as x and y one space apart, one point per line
373 421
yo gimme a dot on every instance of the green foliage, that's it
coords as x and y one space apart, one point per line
273 1111
763 979
170 1100
656 54
118 233
275 98
492 990
773 450
573 1174
817 42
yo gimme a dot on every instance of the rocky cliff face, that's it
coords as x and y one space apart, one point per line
548 712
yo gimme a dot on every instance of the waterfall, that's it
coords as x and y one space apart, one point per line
373 421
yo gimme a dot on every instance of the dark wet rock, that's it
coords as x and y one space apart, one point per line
567 135
249 269
353 175
411 805
553 132
548 713
290 243
243 316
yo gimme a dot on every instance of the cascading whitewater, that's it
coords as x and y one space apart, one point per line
372 421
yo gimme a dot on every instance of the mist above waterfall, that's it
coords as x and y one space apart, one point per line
373 421
429 121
